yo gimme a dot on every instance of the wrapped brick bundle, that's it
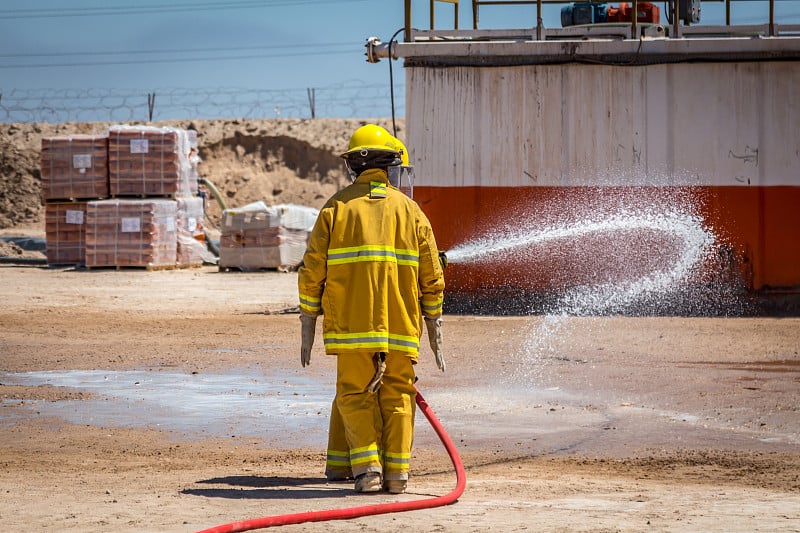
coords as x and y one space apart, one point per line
194 158
258 237
135 233
65 233
74 167
192 249
148 161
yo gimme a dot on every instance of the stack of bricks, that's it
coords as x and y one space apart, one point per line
65 232
125 233
258 237
147 161
191 232
74 167
125 199
74 170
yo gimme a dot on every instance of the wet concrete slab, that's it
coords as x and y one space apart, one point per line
244 404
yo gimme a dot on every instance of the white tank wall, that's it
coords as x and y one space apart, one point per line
705 123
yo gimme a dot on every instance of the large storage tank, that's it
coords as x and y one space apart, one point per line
512 136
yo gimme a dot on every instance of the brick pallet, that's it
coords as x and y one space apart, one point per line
191 249
147 161
65 233
74 167
258 237
131 233
158 167
273 248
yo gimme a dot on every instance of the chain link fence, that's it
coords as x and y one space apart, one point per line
352 99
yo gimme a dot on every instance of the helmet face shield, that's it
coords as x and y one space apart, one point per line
402 177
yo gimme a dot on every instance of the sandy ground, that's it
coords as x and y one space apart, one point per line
563 424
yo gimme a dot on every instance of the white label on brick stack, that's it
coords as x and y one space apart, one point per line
131 224
139 146
82 162
170 223
74 217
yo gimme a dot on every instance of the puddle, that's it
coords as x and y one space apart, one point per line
288 408
285 408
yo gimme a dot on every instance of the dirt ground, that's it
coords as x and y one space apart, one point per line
563 424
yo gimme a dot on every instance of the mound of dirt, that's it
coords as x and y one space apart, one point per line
274 160
10 249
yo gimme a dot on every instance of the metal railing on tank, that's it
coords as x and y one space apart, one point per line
682 16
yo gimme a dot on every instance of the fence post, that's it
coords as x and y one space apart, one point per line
151 103
312 101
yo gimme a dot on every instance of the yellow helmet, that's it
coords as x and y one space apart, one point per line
400 147
371 137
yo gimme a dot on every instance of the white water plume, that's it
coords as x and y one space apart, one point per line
669 280
687 229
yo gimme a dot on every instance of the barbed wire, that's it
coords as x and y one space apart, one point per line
351 99
128 9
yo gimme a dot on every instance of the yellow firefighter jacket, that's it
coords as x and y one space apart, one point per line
372 268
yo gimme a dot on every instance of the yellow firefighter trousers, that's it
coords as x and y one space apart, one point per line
372 432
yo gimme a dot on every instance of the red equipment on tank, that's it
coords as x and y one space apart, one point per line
645 12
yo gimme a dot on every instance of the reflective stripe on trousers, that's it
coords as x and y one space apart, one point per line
377 429
337 465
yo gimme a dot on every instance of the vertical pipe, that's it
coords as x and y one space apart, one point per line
455 15
432 12
539 21
772 18
727 12
474 15
675 20
407 33
634 19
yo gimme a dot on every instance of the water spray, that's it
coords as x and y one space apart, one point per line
695 245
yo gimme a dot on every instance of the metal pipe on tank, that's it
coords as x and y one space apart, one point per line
675 20
407 33
539 20
772 18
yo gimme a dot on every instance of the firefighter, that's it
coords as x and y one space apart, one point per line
337 466
372 269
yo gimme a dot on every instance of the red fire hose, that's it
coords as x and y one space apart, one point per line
366 510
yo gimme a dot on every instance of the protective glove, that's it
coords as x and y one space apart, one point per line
435 337
379 360
308 326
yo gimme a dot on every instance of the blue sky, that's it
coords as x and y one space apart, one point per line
249 57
